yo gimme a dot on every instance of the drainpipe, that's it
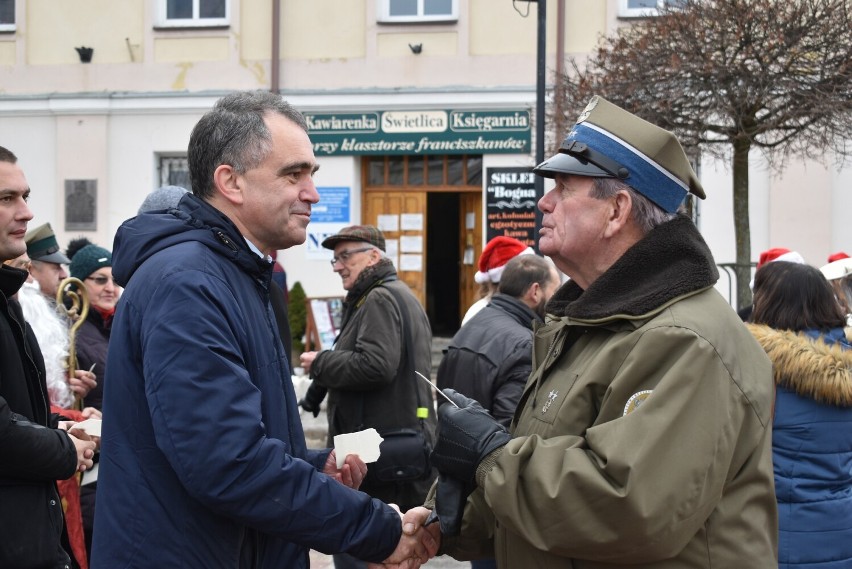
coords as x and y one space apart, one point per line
541 83
559 87
275 60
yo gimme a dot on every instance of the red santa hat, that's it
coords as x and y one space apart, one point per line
837 256
495 255
779 254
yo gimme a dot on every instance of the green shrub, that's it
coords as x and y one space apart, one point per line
297 312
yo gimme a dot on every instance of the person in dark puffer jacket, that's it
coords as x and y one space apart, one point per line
490 357
799 324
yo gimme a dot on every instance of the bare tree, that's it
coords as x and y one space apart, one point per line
728 76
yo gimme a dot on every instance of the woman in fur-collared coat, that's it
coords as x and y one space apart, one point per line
800 326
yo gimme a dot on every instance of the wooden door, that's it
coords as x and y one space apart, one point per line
470 227
412 204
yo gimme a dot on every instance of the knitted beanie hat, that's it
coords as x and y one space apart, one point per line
163 198
88 260
495 255
779 254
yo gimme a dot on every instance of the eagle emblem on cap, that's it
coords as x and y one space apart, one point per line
635 401
588 110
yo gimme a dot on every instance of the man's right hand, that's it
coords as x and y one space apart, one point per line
85 449
417 544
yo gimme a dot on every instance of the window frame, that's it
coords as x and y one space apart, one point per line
163 21
625 11
383 14
13 26
168 162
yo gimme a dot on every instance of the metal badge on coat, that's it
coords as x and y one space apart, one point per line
635 401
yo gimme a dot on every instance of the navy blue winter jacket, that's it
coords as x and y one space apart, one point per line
812 446
203 460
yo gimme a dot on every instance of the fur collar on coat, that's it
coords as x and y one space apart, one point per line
670 261
812 368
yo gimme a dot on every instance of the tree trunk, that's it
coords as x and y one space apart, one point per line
742 230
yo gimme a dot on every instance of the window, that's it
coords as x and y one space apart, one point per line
174 171
435 170
401 11
643 8
7 15
193 13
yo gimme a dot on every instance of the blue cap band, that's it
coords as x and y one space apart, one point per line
646 177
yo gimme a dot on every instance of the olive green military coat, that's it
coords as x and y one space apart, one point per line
643 438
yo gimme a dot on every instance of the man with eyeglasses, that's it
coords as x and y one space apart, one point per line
204 461
368 373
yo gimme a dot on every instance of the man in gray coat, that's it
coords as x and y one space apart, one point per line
368 373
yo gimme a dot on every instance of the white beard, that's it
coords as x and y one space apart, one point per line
52 335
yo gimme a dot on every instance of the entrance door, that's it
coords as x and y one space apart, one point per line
438 200
410 263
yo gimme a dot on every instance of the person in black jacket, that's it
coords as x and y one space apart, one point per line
490 357
35 446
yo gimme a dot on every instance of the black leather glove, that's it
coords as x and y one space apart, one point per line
450 498
466 435
313 398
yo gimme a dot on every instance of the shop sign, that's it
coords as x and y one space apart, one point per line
510 203
420 132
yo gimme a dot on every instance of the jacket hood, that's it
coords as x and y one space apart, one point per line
195 220
670 261
817 368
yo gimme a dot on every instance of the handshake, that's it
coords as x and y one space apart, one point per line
466 435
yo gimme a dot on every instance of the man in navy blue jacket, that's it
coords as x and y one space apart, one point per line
203 460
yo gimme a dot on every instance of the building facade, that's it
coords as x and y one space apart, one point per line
421 111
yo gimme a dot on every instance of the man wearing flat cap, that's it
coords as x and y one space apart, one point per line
643 436
46 260
369 374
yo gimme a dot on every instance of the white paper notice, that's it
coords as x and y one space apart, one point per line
363 443
91 427
411 262
469 220
391 247
411 244
388 222
412 221
467 259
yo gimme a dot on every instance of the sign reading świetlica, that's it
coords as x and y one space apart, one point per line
420 132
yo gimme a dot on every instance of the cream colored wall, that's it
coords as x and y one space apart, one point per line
189 50
316 30
801 209
325 44
83 144
496 28
433 44
583 26
323 29
54 29
7 52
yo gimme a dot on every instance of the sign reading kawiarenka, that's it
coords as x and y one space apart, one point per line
420 132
